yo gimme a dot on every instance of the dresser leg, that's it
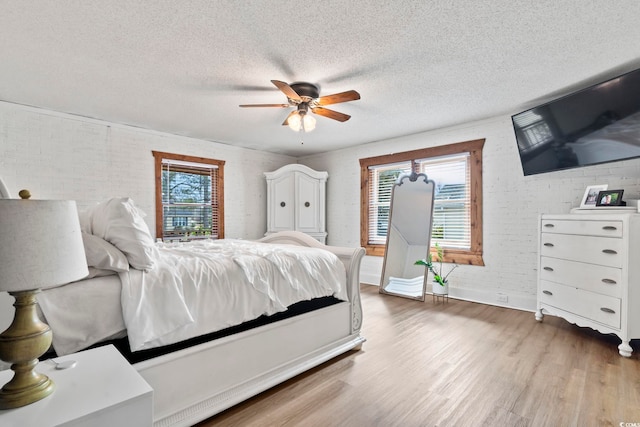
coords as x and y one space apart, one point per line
539 315
625 349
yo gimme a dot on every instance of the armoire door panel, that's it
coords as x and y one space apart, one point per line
307 203
283 209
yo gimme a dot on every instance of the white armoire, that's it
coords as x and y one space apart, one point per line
296 201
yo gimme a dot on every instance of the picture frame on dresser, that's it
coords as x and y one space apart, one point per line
610 198
590 197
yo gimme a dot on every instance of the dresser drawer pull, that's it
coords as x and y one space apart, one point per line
549 225
609 281
549 245
547 268
607 310
609 251
609 227
547 292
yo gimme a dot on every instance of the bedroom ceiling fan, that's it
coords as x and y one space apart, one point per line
306 97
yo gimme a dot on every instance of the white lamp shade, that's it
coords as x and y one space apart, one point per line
41 244
309 122
295 121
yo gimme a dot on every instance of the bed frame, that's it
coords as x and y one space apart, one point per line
196 383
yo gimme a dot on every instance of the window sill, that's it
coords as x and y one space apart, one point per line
453 256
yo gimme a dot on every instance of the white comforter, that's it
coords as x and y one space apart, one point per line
205 286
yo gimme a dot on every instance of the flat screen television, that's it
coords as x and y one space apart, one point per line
595 125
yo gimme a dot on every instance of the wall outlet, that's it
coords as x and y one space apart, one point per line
500 297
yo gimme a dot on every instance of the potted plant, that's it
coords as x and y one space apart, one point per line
440 282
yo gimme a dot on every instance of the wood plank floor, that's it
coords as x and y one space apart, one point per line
457 364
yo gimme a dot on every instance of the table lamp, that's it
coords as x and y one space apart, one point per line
41 248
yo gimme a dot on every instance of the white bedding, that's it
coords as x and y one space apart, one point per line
71 311
201 287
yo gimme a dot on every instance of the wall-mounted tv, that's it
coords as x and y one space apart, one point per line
595 125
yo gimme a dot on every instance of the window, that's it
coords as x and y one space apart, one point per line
189 197
457 217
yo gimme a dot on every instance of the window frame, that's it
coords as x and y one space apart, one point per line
473 256
159 156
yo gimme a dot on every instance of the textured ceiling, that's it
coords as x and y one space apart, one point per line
184 66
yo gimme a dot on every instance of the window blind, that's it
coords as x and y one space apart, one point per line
381 180
189 200
452 201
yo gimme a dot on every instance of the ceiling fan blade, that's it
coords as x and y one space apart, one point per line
350 95
287 90
331 114
264 105
286 121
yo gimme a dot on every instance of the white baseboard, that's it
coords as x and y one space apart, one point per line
514 300
369 279
484 296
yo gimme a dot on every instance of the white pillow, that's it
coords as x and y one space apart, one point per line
121 223
98 272
85 220
103 255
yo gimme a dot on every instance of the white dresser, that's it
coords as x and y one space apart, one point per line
589 272
296 201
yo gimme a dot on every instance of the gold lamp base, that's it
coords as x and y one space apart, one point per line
21 345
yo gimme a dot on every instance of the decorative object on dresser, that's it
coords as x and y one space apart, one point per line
296 201
42 248
588 272
610 198
590 196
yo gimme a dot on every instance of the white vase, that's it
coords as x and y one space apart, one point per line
438 289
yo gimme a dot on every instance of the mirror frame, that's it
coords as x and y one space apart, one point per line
413 177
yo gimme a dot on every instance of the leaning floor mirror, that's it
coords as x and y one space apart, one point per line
408 237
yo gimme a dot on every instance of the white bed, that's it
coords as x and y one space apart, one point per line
197 382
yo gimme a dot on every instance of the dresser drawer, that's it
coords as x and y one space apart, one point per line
594 250
586 228
599 308
595 278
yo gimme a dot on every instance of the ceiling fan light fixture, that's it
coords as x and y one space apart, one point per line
308 122
301 121
294 121
306 97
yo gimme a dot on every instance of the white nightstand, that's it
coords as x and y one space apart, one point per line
103 389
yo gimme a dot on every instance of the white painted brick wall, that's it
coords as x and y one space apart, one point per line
60 156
